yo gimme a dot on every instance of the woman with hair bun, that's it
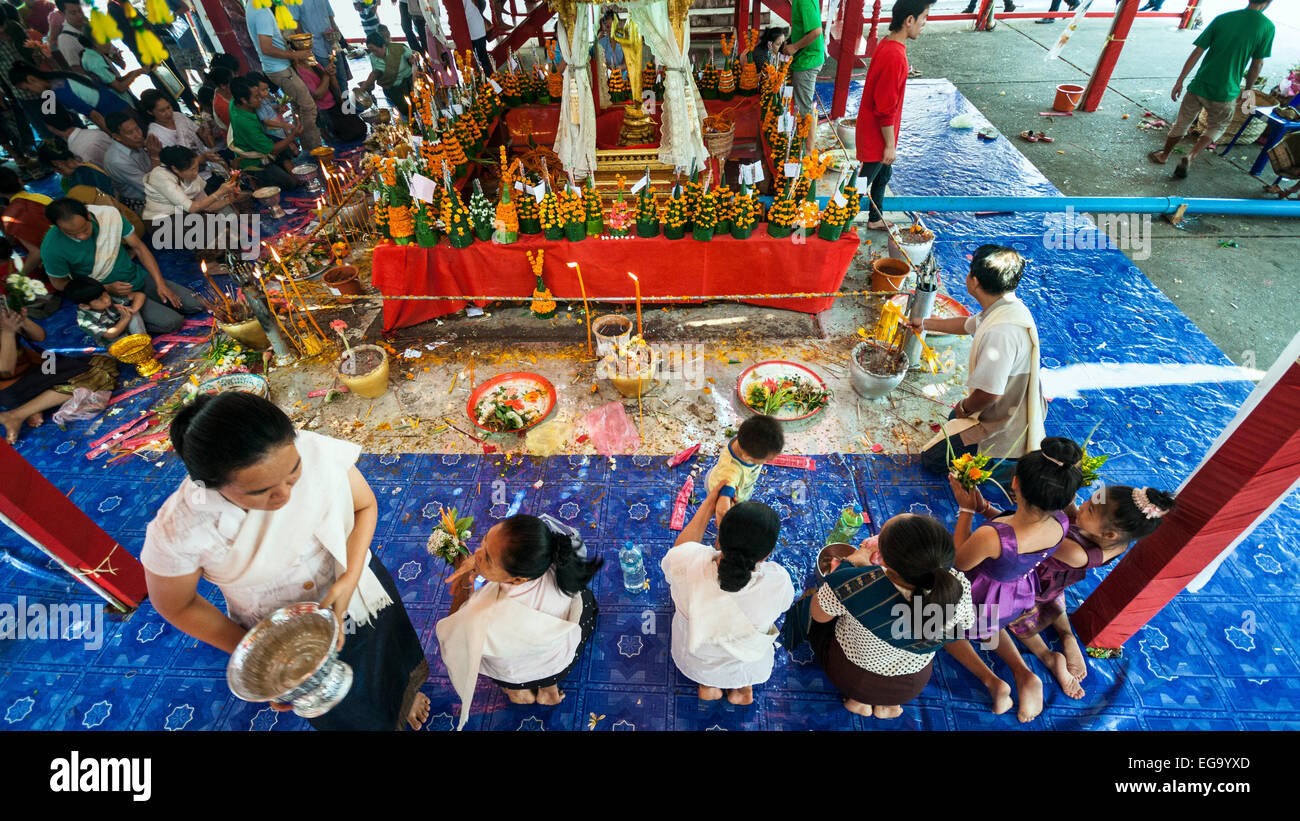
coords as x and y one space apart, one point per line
726 601
1100 532
863 620
274 516
526 627
1000 558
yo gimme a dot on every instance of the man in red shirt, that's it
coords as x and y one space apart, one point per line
881 111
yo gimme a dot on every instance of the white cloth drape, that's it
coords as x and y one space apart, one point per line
575 136
680 139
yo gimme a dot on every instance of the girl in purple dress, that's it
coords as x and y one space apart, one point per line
999 558
1100 531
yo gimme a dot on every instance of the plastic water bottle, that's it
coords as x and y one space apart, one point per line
629 558
846 530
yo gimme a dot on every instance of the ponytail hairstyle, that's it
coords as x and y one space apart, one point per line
218 435
921 551
532 548
1052 475
1135 512
746 536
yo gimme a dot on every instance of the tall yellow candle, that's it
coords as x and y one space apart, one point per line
585 310
294 286
638 304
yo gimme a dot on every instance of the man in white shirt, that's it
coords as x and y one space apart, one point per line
1003 378
478 31
87 144
74 24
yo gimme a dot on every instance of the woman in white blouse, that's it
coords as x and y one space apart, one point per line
727 600
526 627
881 614
171 127
274 516
175 184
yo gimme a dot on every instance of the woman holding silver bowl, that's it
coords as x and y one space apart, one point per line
274 516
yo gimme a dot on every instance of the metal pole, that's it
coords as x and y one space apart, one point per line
1114 205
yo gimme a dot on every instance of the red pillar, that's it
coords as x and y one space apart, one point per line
46 516
741 23
1254 464
1109 55
1189 14
872 39
459 26
216 14
756 15
847 58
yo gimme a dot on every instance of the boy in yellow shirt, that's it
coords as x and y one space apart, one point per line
759 440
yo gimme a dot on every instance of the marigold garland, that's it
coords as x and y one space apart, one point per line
675 214
543 305
400 223
647 210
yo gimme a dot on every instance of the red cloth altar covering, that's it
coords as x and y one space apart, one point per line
545 119
682 267
50 518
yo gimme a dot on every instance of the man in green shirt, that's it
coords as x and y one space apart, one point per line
390 66
270 161
1229 43
808 47
70 249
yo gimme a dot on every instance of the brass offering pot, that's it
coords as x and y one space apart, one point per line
137 350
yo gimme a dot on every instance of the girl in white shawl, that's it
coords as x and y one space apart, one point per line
527 626
727 600
275 516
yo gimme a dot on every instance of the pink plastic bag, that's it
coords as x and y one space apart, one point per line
611 430
84 404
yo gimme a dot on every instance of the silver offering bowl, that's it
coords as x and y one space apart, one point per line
291 657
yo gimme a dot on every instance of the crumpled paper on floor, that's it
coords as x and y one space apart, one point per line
548 438
611 430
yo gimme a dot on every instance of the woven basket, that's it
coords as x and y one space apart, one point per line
719 144
1285 157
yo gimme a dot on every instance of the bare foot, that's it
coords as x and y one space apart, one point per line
1029 691
710 693
521 696
857 707
877 226
419 711
741 697
1060 668
1074 661
892 711
1000 692
550 696
12 427
35 420
1158 157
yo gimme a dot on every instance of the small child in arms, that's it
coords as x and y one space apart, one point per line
759 440
104 317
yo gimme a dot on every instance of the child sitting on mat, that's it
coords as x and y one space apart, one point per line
1100 532
759 440
1000 558
104 317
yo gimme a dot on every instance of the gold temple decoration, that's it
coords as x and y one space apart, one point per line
629 37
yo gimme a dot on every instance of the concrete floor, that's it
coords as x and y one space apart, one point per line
434 365
1230 293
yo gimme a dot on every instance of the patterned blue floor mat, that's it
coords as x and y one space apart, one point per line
1227 657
